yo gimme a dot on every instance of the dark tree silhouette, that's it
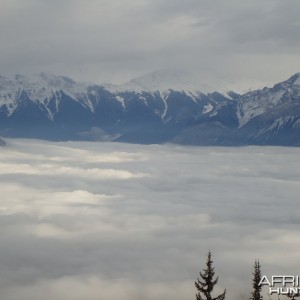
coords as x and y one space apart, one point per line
256 293
207 282
293 296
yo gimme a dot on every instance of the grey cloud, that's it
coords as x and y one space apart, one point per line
85 237
102 41
260 24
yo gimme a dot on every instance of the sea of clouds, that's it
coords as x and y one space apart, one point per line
110 221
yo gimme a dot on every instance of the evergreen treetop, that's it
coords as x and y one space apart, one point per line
256 293
207 282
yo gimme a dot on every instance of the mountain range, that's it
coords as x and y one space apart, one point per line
160 107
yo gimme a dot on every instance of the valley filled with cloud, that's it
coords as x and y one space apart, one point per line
110 221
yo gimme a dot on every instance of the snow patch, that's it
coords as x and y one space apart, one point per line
208 108
205 81
250 108
277 124
121 100
297 124
164 97
297 81
41 88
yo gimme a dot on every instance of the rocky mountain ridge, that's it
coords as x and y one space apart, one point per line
58 108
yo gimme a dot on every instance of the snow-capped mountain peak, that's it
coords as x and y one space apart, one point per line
204 81
39 88
163 80
175 79
295 79
168 105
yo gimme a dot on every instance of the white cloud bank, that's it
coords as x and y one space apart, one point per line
140 224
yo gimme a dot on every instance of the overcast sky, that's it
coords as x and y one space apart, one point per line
113 41
114 221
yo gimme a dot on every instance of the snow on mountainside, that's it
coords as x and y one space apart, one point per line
164 80
255 103
204 81
48 90
40 88
177 80
163 106
44 86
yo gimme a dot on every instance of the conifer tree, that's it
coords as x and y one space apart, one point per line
293 296
207 282
256 293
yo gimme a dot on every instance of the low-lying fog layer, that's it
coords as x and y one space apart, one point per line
116 221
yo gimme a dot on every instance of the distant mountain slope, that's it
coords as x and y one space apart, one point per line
145 110
271 116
